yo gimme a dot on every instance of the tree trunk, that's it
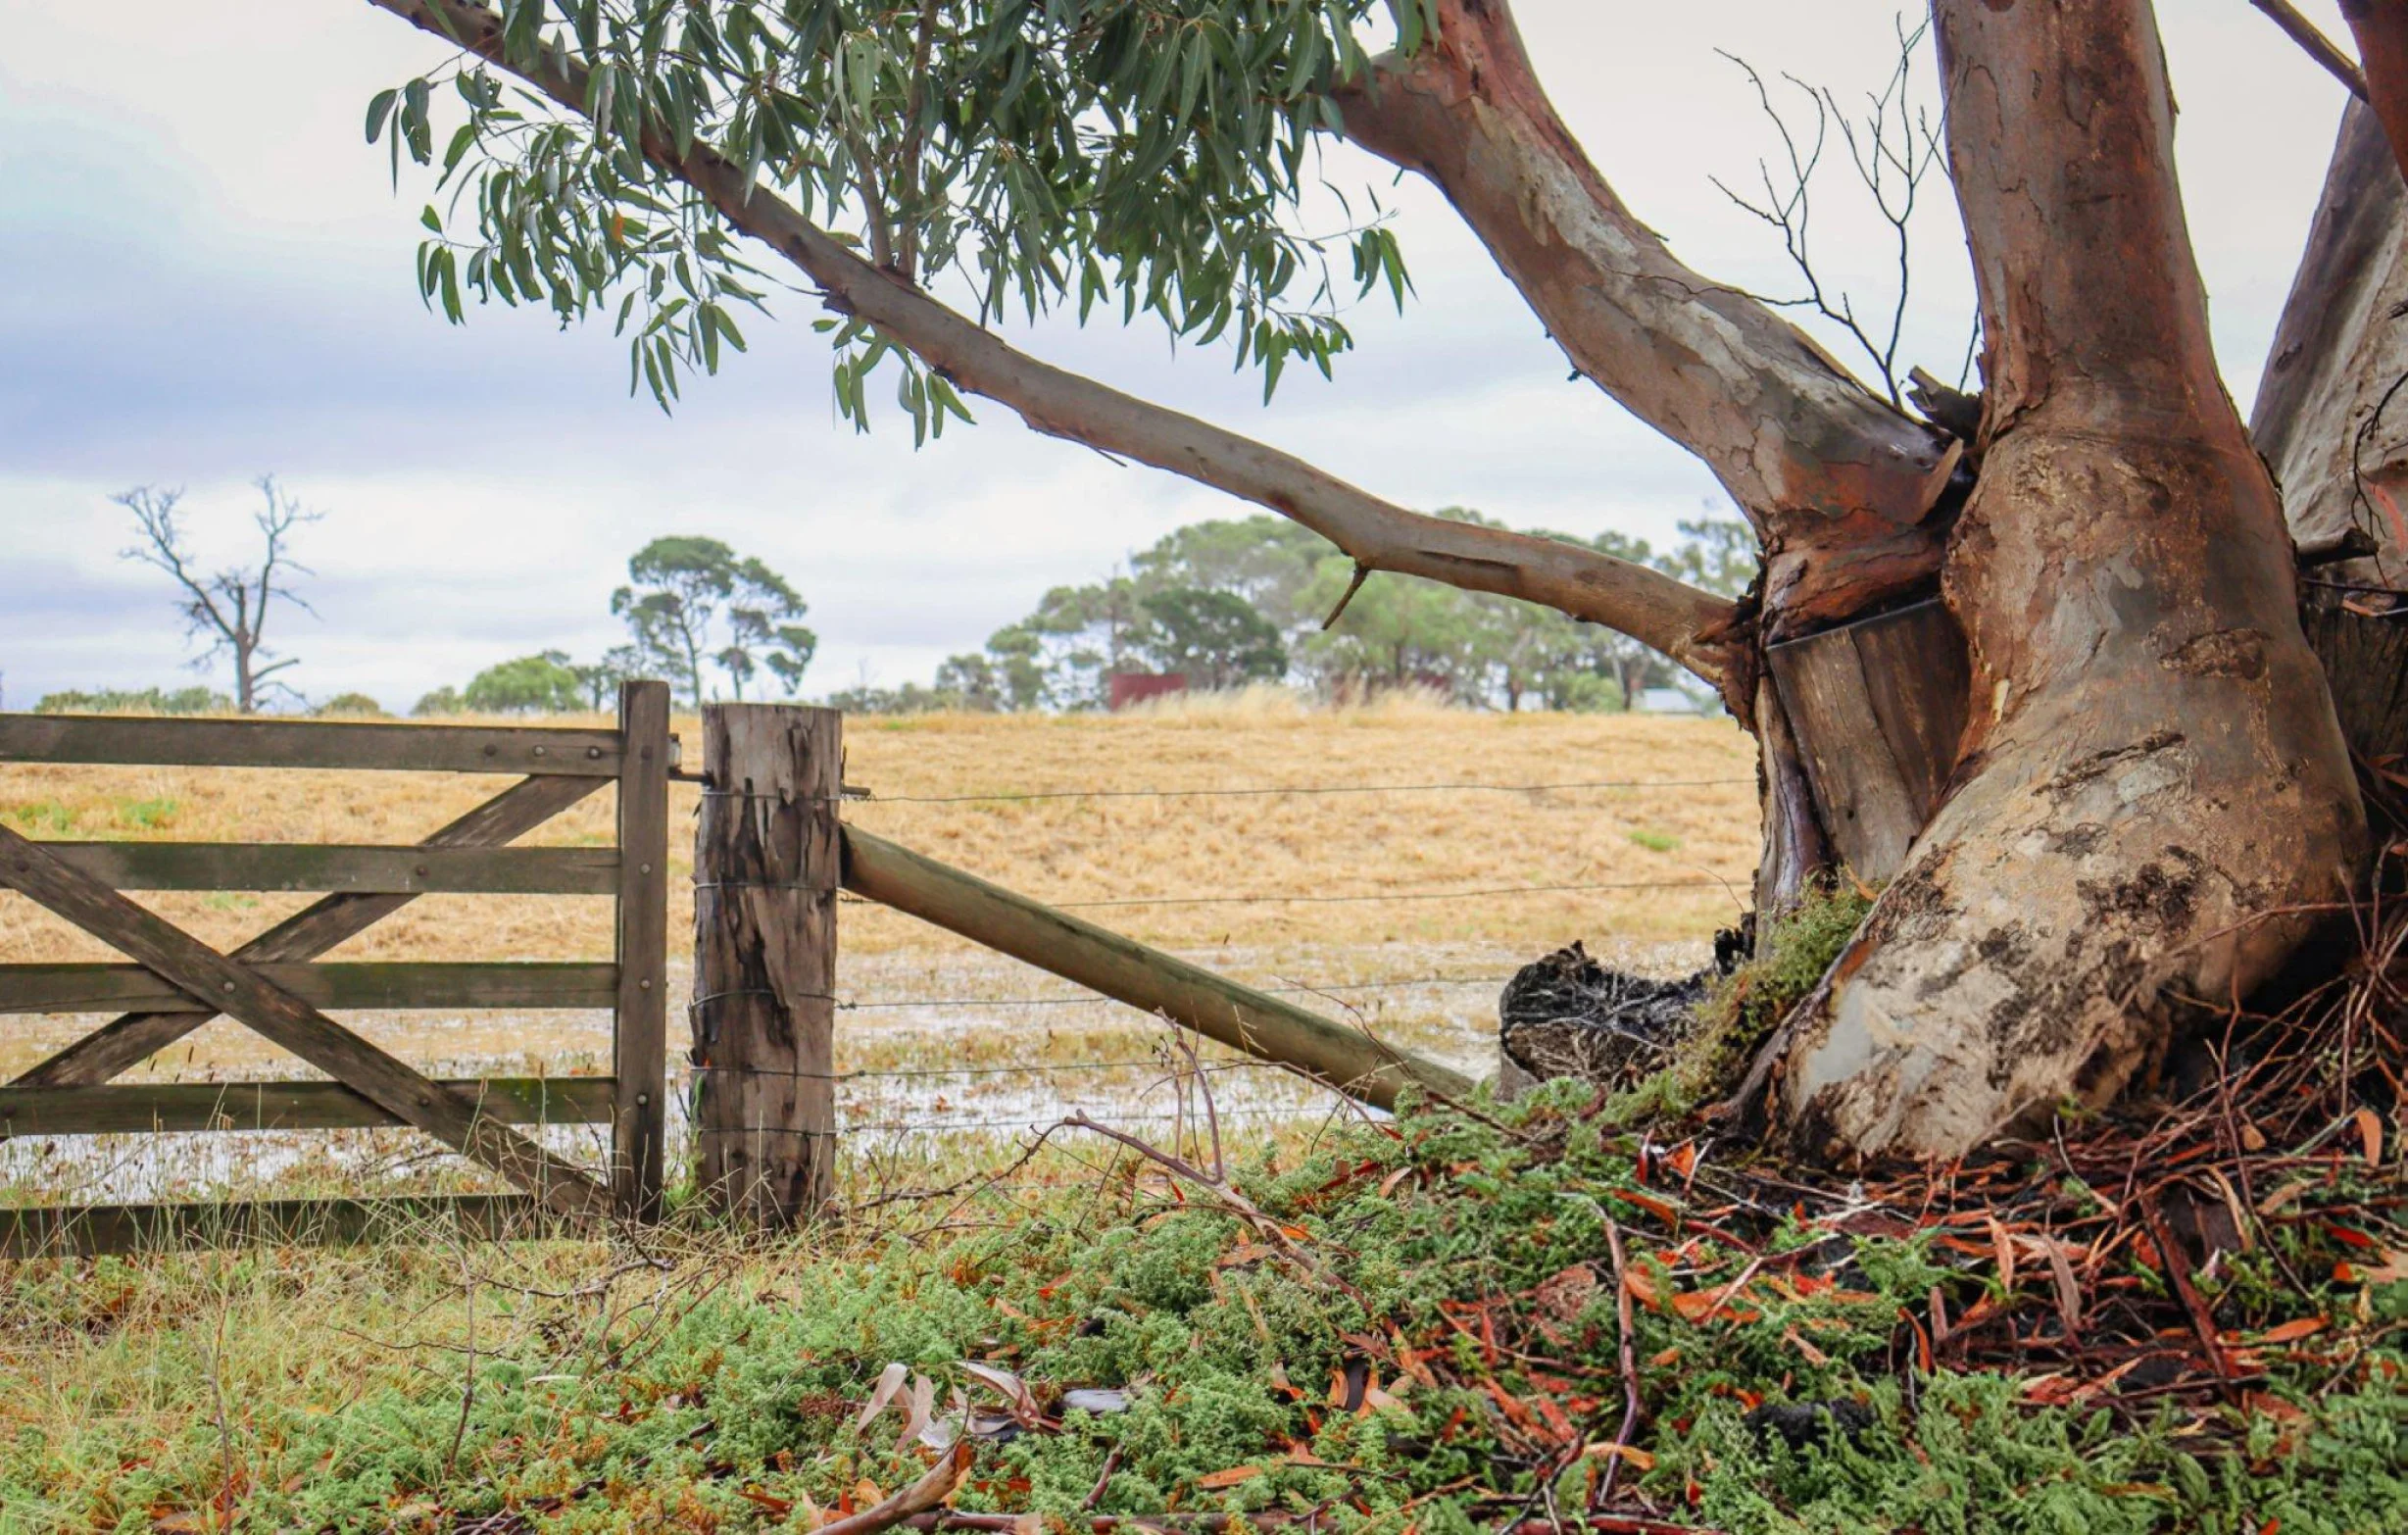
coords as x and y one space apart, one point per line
2149 779
2152 782
2340 348
2332 420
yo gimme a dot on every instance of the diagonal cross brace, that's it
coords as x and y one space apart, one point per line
235 989
125 1041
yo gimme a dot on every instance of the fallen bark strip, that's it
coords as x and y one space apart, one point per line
917 1499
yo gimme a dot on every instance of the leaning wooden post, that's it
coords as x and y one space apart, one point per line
639 1045
767 862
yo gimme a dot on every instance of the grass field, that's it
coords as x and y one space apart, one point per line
1496 1280
1417 900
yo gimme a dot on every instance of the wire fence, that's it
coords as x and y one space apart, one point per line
1254 791
901 1104
1297 1098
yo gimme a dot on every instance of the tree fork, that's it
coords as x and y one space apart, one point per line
1845 493
2153 783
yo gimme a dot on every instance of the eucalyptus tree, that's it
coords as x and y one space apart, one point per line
692 603
2151 783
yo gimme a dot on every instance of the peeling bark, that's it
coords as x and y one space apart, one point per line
1840 486
2342 344
2153 777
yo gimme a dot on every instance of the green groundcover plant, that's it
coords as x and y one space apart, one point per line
1374 1330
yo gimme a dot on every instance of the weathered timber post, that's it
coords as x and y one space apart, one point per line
1877 704
639 1038
767 862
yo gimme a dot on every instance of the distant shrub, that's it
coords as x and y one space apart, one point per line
538 684
144 701
442 701
910 699
351 705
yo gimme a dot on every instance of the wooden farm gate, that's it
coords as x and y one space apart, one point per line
270 985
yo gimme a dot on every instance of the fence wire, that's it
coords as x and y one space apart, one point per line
896 1117
1254 791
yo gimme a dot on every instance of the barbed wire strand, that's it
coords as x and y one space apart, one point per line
1034 1122
1035 1068
1100 1000
1370 897
1249 791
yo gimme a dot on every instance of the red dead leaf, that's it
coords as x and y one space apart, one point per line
1510 1403
1652 1205
2295 1330
1214 1480
1641 1288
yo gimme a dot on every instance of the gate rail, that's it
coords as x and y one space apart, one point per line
178 983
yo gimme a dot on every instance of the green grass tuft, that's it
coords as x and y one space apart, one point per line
1743 1009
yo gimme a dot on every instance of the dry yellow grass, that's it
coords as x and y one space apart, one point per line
1687 850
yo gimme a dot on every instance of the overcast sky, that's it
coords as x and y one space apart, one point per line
208 276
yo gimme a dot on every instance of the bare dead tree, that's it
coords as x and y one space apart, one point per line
229 608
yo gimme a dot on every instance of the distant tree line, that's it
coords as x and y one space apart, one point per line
1232 602
1222 603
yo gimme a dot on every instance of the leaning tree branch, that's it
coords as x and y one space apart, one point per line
1693 627
2299 30
1838 484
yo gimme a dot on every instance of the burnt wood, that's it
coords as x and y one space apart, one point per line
2366 662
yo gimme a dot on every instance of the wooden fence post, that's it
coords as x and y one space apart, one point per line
766 864
639 1043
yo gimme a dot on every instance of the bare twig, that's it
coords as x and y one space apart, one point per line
467 1385
1893 150
2299 30
1229 1198
1627 1349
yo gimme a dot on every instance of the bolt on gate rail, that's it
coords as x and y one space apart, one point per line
272 985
